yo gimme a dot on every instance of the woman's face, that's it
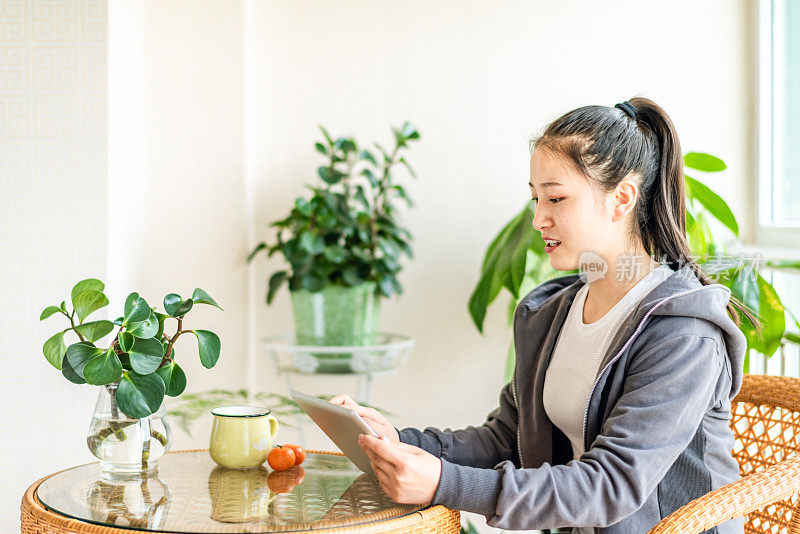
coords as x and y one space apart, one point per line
573 215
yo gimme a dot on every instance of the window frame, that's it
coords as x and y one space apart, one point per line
768 232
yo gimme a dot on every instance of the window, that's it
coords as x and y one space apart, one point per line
779 123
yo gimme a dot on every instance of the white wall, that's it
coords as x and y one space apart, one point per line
476 79
214 107
177 172
53 225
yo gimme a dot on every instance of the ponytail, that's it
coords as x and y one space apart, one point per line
608 144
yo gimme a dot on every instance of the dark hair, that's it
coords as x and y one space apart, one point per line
607 144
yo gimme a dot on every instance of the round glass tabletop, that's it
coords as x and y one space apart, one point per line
190 493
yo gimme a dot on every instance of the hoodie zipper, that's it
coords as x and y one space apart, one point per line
616 356
516 405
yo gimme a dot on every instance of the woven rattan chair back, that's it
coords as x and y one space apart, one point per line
766 423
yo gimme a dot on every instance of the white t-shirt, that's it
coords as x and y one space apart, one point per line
576 358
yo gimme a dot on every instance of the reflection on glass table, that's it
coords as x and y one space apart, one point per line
128 500
190 493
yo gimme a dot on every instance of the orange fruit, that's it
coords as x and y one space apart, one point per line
299 453
281 458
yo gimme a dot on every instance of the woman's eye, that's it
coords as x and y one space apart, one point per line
552 200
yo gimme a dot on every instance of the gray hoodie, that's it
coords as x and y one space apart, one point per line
656 430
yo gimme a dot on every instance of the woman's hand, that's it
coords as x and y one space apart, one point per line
407 474
372 417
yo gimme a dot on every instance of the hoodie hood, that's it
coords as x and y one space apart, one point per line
679 294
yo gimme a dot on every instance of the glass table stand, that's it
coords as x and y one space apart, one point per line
385 356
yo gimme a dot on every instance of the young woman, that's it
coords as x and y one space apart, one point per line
618 412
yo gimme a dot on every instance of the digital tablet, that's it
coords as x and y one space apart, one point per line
340 424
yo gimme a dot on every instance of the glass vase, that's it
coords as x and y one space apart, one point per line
124 444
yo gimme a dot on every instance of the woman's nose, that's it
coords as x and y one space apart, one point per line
540 219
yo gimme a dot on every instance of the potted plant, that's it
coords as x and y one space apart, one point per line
516 261
128 432
343 244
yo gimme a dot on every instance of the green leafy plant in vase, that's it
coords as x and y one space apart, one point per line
129 432
343 245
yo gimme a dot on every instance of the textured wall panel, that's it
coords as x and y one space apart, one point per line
53 224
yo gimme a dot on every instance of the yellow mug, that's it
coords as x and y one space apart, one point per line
241 436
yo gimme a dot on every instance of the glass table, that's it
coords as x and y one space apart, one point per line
190 493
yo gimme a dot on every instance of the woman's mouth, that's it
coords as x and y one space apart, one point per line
550 245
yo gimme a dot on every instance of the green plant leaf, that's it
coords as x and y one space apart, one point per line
261 246
312 282
366 155
201 297
519 244
48 311
345 144
352 275
482 295
321 149
703 162
330 176
407 166
136 309
63 306
401 192
174 379
161 317
176 307
95 329
335 253
496 269
711 201
744 285
146 355
140 395
78 354
90 284
325 133
54 349
773 319
373 181
146 328
88 301
126 340
69 373
311 243
409 131
209 346
275 282
103 368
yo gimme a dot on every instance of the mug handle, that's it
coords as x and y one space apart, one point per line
273 426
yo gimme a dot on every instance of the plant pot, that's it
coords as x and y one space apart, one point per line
337 316
122 444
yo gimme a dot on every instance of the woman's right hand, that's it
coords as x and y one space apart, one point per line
372 417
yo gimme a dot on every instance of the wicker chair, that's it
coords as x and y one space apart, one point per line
766 423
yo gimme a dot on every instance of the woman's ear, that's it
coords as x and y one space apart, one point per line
625 196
